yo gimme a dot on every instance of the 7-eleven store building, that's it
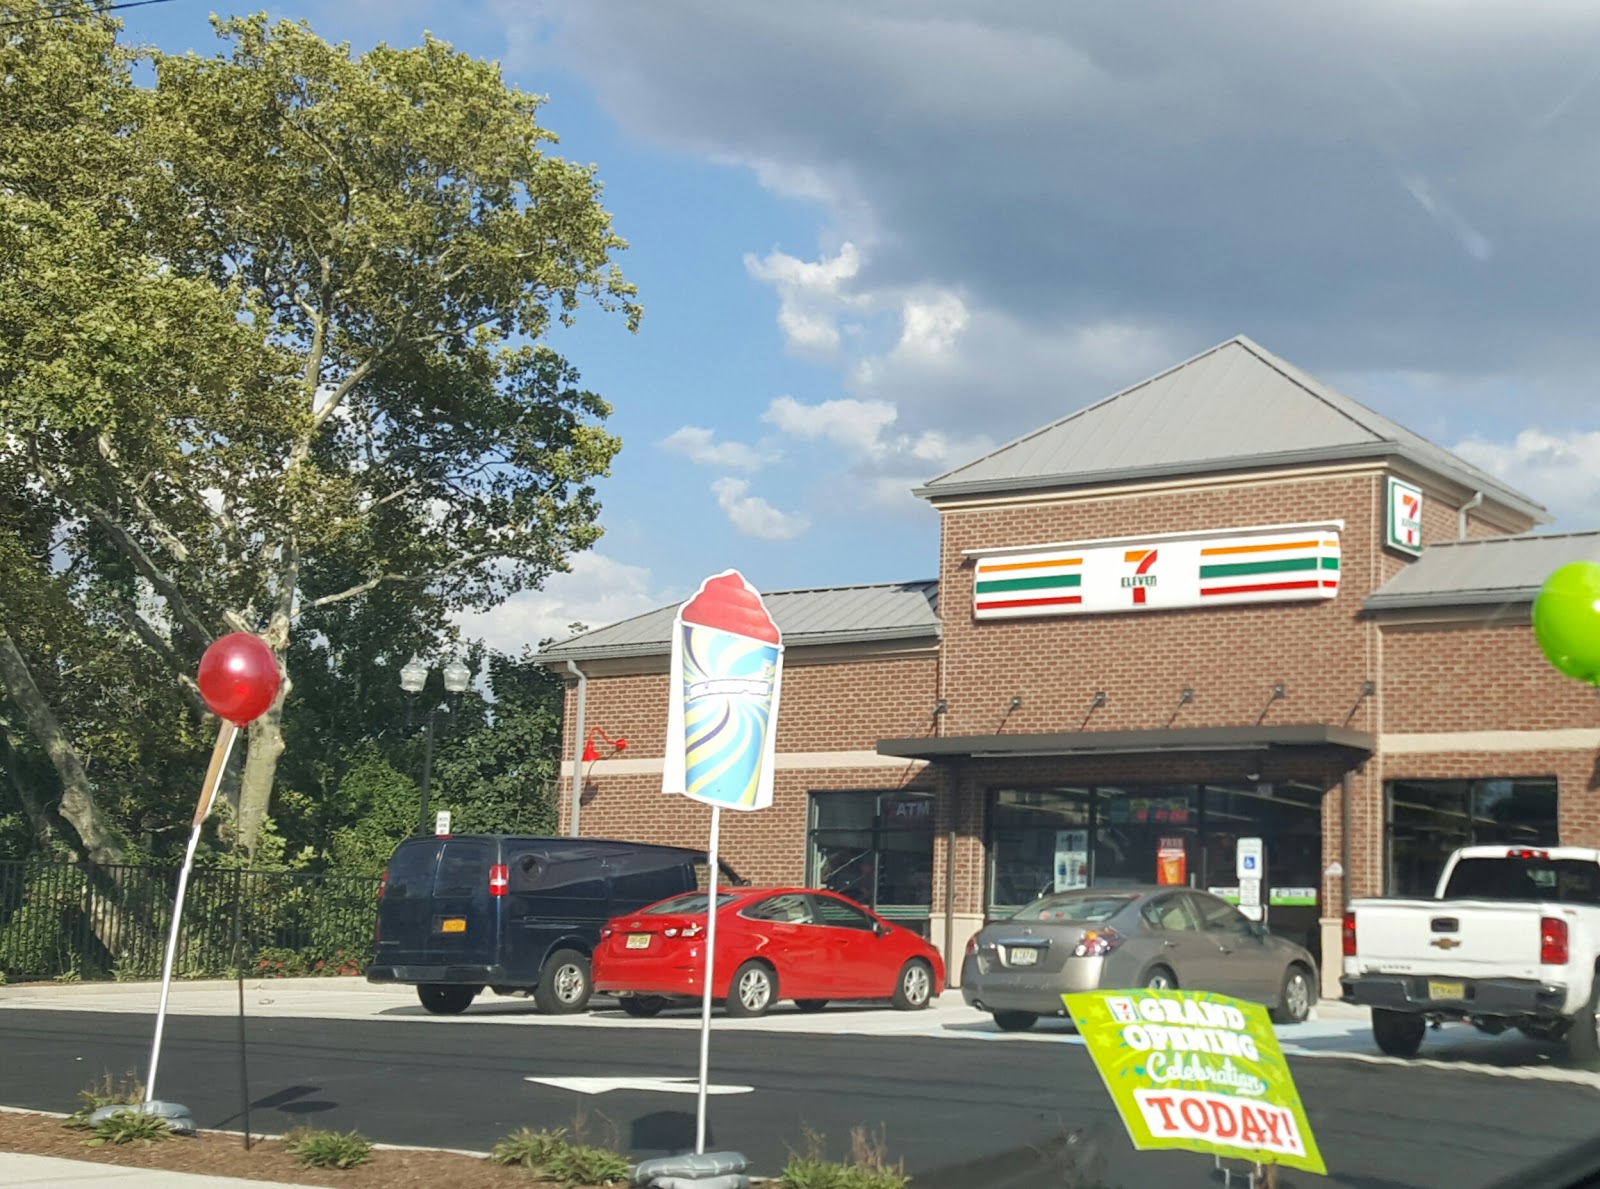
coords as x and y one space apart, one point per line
1228 602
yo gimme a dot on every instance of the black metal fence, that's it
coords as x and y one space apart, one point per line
84 921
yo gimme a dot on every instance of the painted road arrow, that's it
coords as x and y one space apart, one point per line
655 1085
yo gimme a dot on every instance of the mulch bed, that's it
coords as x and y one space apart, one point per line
218 1154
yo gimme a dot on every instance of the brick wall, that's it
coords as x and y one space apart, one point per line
1230 656
1477 676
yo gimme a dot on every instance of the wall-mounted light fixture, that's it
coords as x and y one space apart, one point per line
1099 699
941 706
1279 691
1016 701
1185 696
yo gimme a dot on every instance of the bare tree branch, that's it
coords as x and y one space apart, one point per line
142 628
170 541
164 583
370 584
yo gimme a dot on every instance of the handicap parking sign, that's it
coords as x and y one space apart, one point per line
1249 862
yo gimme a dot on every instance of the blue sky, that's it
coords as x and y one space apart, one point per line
873 240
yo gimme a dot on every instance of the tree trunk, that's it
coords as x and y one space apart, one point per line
260 769
100 841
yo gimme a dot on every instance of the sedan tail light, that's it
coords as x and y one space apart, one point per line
972 945
687 932
1552 941
1097 943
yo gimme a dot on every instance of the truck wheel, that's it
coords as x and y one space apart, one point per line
446 999
1583 1036
564 984
1398 1033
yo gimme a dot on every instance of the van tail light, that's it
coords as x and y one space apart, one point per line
383 883
499 880
1096 943
1349 933
1552 941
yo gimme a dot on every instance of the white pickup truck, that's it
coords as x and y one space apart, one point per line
1510 940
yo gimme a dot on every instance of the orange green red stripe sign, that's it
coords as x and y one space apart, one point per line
1279 563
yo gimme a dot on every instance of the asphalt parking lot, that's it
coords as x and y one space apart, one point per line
1335 1031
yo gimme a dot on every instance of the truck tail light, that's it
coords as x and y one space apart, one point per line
1349 934
1097 943
1552 941
1524 853
499 880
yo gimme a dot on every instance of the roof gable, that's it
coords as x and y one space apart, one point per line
1234 406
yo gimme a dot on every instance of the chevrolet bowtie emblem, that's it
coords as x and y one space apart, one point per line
1445 943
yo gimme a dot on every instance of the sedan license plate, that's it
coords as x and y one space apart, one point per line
638 941
1437 990
453 925
1024 956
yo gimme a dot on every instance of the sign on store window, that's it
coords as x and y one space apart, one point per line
1274 564
1404 517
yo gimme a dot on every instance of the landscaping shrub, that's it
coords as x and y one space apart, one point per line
330 1149
528 1148
127 1090
128 1127
579 1164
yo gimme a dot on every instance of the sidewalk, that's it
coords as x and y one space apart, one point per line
17 1170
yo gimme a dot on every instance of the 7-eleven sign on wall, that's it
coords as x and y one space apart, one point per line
1273 564
1404 518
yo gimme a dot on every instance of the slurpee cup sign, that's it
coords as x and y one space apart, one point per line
726 669
1188 1069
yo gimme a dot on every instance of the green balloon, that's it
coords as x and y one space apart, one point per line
1566 620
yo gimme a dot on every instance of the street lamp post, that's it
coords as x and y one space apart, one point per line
413 678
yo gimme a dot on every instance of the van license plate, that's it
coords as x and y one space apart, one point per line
638 941
453 925
1446 990
1024 956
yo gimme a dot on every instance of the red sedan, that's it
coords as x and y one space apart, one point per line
772 943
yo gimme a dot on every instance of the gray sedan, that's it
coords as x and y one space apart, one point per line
1111 938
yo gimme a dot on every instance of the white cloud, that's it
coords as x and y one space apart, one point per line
930 327
855 426
1561 471
810 295
700 446
598 590
752 515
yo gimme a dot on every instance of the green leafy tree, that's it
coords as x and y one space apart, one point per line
272 342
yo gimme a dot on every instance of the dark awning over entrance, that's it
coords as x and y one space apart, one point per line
1359 744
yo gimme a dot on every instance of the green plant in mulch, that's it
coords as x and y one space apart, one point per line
550 1154
579 1164
527 1148
867 1168
330 1149
128 1127
127 1090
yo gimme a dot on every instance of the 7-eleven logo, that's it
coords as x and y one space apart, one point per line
1141 579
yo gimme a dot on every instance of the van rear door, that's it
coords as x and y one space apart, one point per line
405 916
465 920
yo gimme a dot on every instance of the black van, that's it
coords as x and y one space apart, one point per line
515 914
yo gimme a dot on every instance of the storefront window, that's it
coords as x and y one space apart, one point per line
1050 840
1039 843
876 848
1430 818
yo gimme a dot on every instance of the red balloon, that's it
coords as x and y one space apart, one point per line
239 677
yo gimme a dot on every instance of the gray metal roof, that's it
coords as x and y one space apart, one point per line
1488 571
827 615
1233 407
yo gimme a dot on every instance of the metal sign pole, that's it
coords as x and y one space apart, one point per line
705 995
